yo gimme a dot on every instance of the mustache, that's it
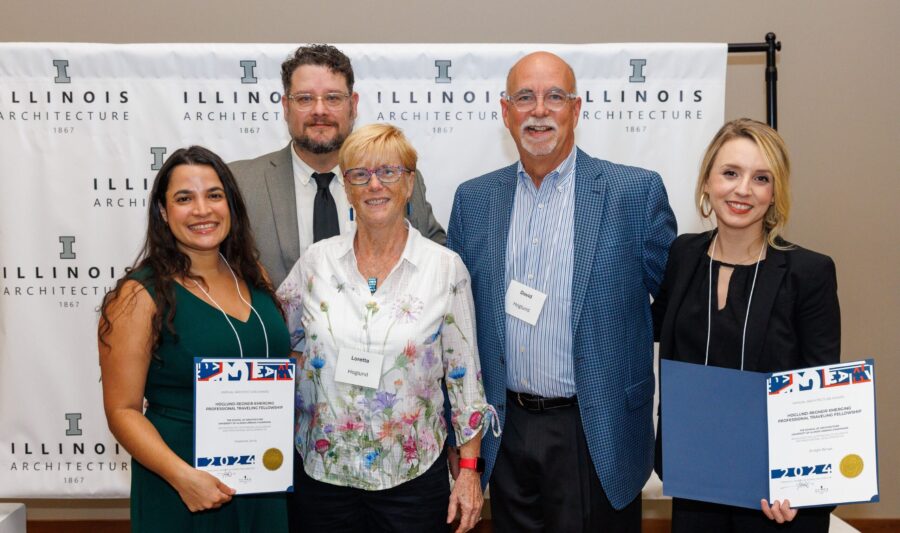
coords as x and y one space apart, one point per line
321 123
531 122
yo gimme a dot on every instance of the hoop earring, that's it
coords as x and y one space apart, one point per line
704 206
771 217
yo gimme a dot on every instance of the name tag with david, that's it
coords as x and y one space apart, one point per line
523 302
355 367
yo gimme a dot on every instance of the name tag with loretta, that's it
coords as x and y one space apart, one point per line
355 367
523 302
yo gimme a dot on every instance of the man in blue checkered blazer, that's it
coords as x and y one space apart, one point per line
571 376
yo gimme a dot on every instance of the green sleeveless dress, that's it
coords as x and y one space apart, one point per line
202 332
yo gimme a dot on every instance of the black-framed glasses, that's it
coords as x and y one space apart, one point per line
527 100
306 101
386 174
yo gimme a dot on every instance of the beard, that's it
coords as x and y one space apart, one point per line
320 147
543 147
305 142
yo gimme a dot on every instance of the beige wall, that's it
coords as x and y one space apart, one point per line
838 100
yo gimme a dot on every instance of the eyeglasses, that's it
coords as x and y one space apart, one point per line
554 99
386 174
306 101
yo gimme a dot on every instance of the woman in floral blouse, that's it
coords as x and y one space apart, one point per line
381 316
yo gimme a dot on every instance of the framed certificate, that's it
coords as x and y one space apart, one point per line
244 422
735 437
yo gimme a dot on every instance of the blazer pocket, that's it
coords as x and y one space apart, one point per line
640 393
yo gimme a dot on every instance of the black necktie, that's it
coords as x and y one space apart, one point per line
325 218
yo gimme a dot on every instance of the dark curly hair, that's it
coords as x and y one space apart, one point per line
160 260
323 55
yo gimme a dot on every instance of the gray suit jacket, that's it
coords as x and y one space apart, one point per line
267 185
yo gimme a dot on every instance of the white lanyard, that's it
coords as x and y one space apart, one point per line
227 318
712 257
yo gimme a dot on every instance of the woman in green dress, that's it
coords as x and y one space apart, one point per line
196 290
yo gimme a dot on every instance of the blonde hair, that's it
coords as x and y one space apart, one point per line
774 151
377 142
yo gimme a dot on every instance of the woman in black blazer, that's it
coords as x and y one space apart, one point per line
741 297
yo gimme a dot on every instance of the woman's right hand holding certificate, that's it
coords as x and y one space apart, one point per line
780 512
201 490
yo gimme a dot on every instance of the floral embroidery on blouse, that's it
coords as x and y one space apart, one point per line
421 319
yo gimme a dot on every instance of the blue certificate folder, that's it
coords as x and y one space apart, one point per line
714 434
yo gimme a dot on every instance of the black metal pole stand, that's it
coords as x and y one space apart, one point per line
770 47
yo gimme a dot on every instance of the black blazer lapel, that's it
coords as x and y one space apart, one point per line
687 258
768 283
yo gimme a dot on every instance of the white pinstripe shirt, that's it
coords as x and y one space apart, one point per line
540 254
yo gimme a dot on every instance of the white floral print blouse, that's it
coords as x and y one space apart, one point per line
422 319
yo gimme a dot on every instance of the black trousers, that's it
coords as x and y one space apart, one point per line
419 505
544 479
689 516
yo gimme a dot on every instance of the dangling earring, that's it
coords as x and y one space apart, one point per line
408 209
704 205
351 214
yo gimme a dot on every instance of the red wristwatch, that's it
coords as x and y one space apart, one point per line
472 463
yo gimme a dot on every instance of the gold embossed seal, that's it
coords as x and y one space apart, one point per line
273 459
851 465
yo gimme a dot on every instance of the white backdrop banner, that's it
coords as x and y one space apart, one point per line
84 127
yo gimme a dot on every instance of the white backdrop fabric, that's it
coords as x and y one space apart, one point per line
83 127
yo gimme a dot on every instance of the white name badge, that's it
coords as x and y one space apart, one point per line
523 302
356 367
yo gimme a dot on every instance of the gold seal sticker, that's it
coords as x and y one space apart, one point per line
851 465
273 458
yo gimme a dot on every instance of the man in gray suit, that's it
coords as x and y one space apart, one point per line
281 189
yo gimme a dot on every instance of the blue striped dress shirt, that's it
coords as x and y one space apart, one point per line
540 254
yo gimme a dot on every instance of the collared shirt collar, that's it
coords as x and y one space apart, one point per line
303 172
411 251
561 176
